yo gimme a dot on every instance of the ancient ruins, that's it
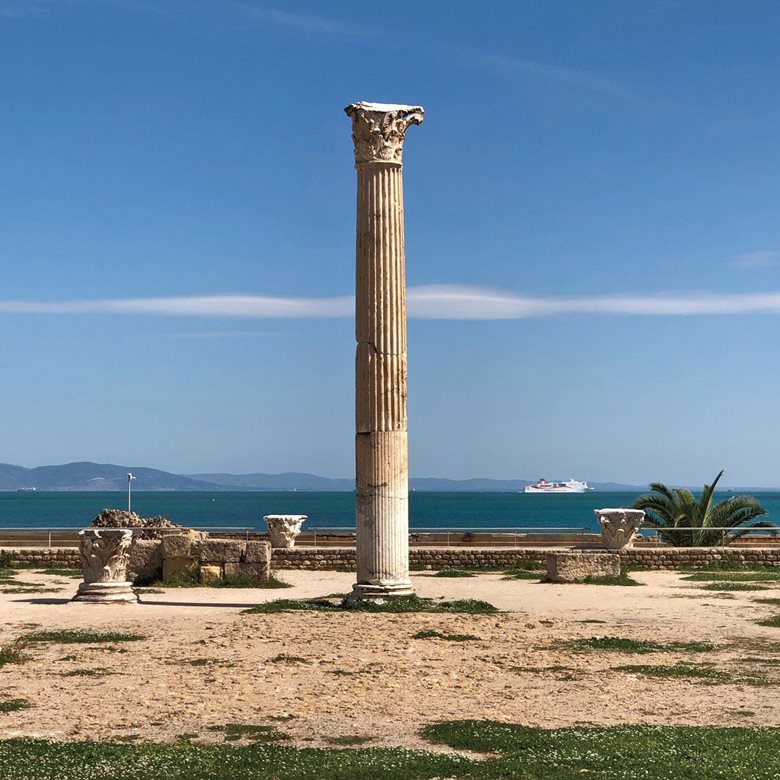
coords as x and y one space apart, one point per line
381 449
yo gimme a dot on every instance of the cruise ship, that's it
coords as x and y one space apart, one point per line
570 486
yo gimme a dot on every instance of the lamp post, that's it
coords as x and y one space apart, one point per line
130 479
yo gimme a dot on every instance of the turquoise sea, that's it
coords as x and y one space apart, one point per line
246 509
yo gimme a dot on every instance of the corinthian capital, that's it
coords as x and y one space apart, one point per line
378 130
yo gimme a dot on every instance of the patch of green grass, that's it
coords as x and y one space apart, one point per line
31 588
621 580
12 705
252 732
514 753
349 741
13 653
81 637
289 659
771 602
430 634
542 669
448 572
61 571
397 605
525 570
591 620
773 622
729 586
149 590
624 645
743 575
522 574
695 671
647 752
763 661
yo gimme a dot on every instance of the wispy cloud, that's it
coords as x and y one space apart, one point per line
297 22
434 302
475 303
580 78
20 9
764 259
234 306
209 335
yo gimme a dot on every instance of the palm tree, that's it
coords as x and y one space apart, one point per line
669 509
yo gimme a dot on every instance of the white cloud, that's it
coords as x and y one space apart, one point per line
475 303
578 78
296 22
764 259
434 302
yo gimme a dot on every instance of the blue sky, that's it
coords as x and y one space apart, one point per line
593 246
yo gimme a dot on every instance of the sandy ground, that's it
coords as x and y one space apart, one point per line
364 674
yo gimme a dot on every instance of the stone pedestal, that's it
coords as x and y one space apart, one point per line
381 450
283 529
579 566
619 526
104 559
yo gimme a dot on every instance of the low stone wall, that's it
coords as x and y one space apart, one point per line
43 557
679 557
502 558
456 557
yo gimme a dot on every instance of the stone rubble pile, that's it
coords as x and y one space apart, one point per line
121 518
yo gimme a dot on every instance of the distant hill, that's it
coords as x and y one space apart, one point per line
291 480
110 477
95 476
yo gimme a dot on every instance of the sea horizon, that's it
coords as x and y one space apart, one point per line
325 509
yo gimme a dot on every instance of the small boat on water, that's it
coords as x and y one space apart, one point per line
570 486
26 490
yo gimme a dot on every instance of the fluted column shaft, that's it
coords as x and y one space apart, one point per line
381 449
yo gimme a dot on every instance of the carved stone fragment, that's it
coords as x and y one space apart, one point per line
619 526
104 559
283 529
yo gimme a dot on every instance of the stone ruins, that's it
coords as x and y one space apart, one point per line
283 529
381 451
619 526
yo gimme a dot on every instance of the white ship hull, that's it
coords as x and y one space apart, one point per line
570 486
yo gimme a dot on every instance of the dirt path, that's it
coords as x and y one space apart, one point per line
203 663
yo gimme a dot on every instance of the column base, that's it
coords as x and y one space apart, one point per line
106 593
380 593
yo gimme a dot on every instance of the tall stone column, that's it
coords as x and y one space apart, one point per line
381 450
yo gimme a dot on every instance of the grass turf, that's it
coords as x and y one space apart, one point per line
695 671
623 645
431 634
512 753
78 637
396 605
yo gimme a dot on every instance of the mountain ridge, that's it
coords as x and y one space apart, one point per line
89 476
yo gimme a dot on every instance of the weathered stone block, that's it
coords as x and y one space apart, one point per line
144 561
577 566
221 550
257 552
173 568
210 573
257 572
177 545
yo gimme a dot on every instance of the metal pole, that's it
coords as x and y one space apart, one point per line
130 479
